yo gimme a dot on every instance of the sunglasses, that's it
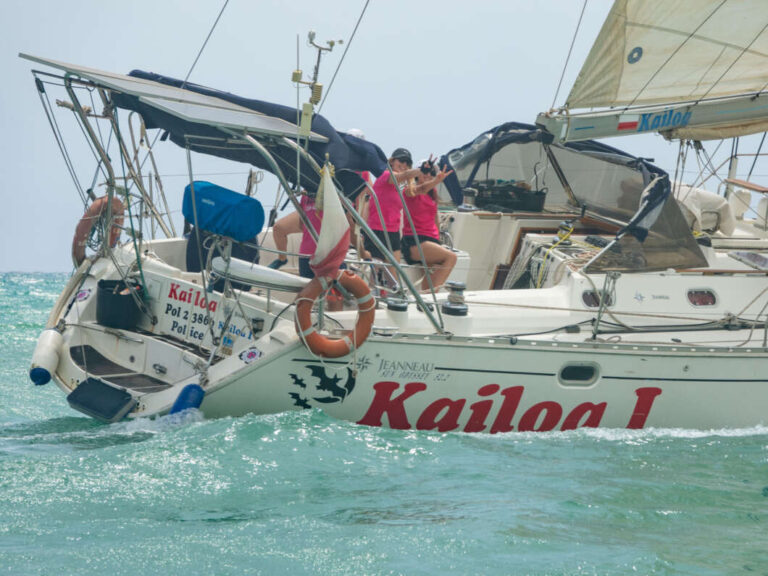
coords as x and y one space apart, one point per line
404 161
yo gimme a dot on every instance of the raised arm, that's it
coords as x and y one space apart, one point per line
406 175
426 186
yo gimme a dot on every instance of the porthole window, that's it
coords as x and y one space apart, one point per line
581 374
592 300
702 297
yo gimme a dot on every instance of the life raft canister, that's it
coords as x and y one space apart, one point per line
335 347
91 216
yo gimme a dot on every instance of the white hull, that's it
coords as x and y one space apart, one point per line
498 387
405 376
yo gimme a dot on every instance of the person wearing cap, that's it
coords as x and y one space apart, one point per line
387 200
425 233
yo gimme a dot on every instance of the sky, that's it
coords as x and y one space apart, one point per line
429 75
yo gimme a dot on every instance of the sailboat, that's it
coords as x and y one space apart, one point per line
582 297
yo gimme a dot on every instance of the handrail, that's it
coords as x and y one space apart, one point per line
418 244
131 170
390 259
347 205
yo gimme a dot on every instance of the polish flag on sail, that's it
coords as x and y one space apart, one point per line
333 238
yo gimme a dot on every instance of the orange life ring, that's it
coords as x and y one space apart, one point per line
327 347
83 230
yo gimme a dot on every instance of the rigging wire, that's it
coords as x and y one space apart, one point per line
700 180
204 44
349 43
99 168
733 160
58 137
126 190
98 126
757 155
708 164
744 51
570 50
189 73
91 145
761 89
682 155
674 53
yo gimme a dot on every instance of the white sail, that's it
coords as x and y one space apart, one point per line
651 52
688 69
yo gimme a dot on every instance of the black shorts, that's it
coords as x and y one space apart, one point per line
304 270
410 242
394 241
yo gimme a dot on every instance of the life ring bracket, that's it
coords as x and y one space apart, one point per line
88 221
324 346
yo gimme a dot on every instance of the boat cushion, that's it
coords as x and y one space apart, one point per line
223 211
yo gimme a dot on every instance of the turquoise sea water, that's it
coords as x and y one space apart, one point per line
302 493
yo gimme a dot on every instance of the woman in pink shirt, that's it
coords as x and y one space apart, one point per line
292 224
387 227
423 210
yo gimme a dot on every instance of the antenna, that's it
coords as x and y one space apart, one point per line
316 89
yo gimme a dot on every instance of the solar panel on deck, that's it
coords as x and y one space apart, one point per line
237 118
185 104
